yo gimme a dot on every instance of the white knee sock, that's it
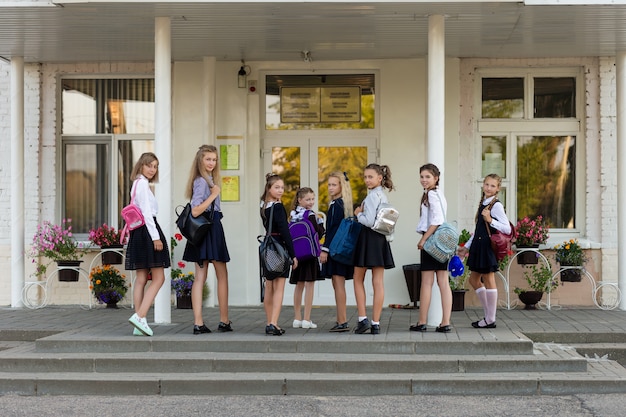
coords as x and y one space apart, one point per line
482 297
492 305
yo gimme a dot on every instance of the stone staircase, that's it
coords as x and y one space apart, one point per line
74 362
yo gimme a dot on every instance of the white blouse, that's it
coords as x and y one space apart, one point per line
147 203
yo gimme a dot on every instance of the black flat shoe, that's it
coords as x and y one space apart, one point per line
443 329
418 328
476 324
375 329
224 327
272 330
200 329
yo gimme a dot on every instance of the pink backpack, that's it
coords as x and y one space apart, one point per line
133 217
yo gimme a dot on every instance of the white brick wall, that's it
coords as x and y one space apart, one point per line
41 158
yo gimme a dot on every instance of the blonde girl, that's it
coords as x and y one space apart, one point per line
308 270
372 249
147 251
482 260
340 207
204 192
275 283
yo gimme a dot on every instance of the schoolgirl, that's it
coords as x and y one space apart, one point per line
482 260
308 270
275 283
204 192
372 248
147 251
432 214
340 207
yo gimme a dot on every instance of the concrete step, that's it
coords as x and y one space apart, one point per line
199 362
66 343
281 383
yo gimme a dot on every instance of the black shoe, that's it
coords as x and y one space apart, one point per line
476 324
224 327
443 329
375 329
343 327
272 330
200 329
418 328
363 326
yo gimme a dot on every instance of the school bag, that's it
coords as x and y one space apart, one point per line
133 218
344 242
501 244
386 218
442 244
306 242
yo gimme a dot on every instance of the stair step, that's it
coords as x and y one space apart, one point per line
279 383
363 345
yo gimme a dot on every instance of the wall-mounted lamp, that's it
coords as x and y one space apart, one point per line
242 75
306 56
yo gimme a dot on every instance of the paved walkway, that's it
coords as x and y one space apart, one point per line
249 322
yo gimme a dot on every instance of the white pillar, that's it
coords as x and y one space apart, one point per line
209 93
163 147
620 63
436 125
17 181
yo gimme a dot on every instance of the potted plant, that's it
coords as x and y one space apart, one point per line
182 281
570 254
56 243
530 233
108 285
539 279
457 285
108 239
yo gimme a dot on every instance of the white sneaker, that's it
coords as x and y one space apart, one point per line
140 324
136 332
297 324
308 324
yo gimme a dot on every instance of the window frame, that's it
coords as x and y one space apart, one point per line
528 125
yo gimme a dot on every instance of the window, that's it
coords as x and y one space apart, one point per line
530 134
106 125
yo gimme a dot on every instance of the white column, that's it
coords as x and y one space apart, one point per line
17 181
620 63
209 92
436 126
163 149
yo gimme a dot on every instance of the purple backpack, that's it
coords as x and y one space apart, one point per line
306 242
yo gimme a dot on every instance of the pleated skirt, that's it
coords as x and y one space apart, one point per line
140 253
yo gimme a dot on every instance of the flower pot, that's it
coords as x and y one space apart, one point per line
112 305
571 275
530 299
66 274
527 257
112 257
413 278
183 301
458 300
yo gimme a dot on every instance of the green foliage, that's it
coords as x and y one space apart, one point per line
539 278
107 284
570 253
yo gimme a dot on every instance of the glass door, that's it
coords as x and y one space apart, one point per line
307 162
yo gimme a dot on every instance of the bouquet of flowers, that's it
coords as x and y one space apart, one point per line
105 236
56 243
107 284
529 232
570 253
464 237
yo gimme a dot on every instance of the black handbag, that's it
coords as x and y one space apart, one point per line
194 229
274 258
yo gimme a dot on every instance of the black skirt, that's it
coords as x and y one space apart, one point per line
308 270
140 253
372 250
332 267
428 263
213 247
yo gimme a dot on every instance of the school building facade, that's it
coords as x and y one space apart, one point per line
532 90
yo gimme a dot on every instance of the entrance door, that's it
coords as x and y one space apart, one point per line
307 162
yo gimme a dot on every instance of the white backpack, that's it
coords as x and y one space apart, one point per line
386 218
